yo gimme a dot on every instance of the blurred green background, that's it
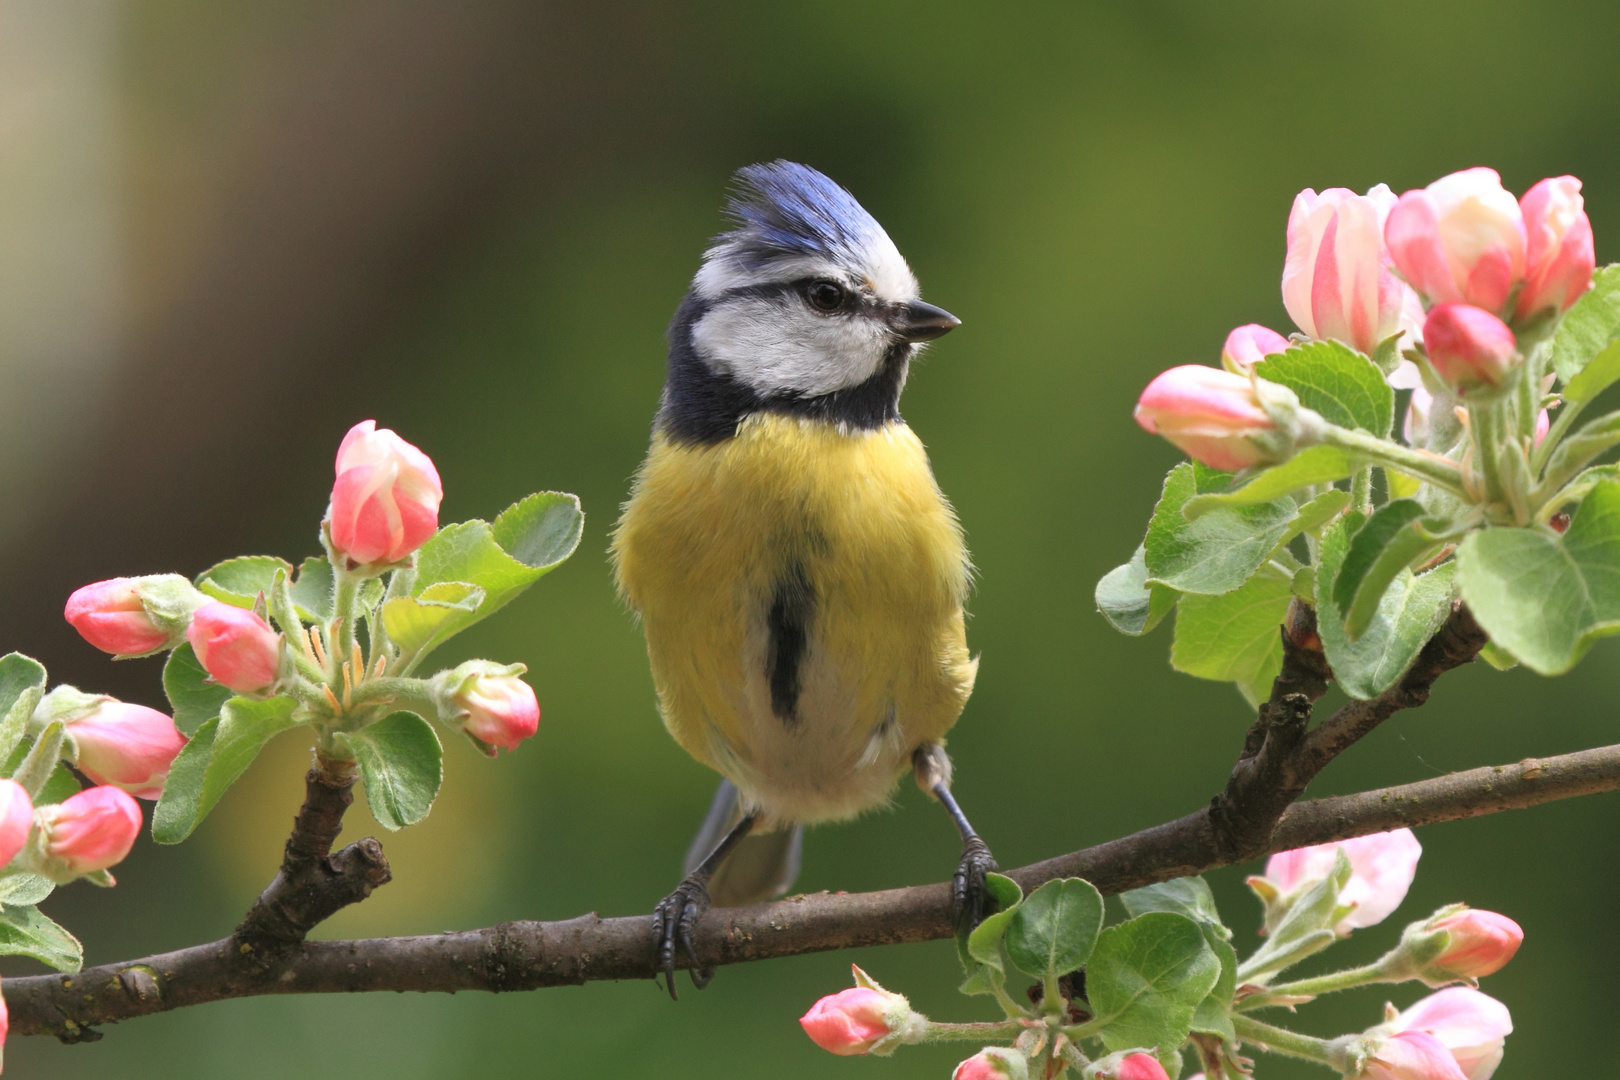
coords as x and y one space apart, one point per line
229 231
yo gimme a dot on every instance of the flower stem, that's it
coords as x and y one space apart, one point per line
1485 424
345 597
1361 490
1430 468
1348 979
980 1032
1282 1041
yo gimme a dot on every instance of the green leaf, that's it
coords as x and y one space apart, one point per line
1579 488
1390 541
1235 637
1545 599
1052 932
1315 515
1588 326
401 764
526 541
1128 602
1341 384
422 622
22 684
42 759
1498 659
60 785
240 581
1317 465
192 694
20 890
312 591
1412 609
217 755
1146 978
1188 896
1214 1014
26 932
980 950
1219 551
1596 377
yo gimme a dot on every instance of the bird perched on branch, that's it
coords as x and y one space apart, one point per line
799 576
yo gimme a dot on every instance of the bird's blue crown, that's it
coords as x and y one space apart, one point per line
787 209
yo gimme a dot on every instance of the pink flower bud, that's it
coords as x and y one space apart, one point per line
1136 1066
127 746
1336 281
385 503
16 820
1559 257
487 701
1411 1055
1470 1025
90 831
1248 345
1469 347
1481 943
1460 240
109 615
1382 867
238 648
993 1063
849 1022
1210 414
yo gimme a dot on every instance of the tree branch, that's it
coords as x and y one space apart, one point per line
530 955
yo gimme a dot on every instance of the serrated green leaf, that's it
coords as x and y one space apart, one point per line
21 890
1412 609
1146 979
192 695
22 684
529 539
24 931
1053 930
217 755
239 581
1218 552
1379 551
1544 599
1588 326
312 591
1188 896
1317 465
1234 637
1341 384
1128 602
401 764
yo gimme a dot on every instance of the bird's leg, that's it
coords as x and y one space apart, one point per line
676 916
970 897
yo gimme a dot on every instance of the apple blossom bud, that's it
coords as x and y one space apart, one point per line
385 502
488 702
1336 282
88 832
864 1019
1248 345
1469 347
1559 257
1410 1055
134 616
1382 867
1127 1066
1224 420
128 746
1461 239
1455 944
1543 425
237 647
993 1063
16 819
1456 1034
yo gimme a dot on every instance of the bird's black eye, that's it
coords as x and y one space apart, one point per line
825 295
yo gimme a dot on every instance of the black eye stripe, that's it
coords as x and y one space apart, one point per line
853 301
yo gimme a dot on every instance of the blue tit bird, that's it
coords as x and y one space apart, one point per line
798 574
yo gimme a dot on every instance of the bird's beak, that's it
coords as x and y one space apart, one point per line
917 321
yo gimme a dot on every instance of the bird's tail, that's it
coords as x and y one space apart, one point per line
762 867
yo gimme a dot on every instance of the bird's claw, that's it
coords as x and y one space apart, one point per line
970 896
674 921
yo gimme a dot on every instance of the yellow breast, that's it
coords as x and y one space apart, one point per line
716 547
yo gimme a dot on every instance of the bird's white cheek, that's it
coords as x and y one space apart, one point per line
771 348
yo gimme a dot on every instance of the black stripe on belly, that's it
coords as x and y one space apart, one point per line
793 604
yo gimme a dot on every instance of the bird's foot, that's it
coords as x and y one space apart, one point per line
970 896
674 921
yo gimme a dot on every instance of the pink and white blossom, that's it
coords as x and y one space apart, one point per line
1337 282
385 500
1460 240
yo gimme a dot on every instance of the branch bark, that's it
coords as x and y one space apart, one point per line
531 955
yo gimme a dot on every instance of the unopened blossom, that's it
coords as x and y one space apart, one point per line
489 702
385 500
1410 1055
1336 280
1471 1026
1469 348
126 745
864 1019
993 1063
88 832
16 820
1559 256
1460 240
1137 1066
1479 943
1382 867
1212 415
1248 345
109 615
237 647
